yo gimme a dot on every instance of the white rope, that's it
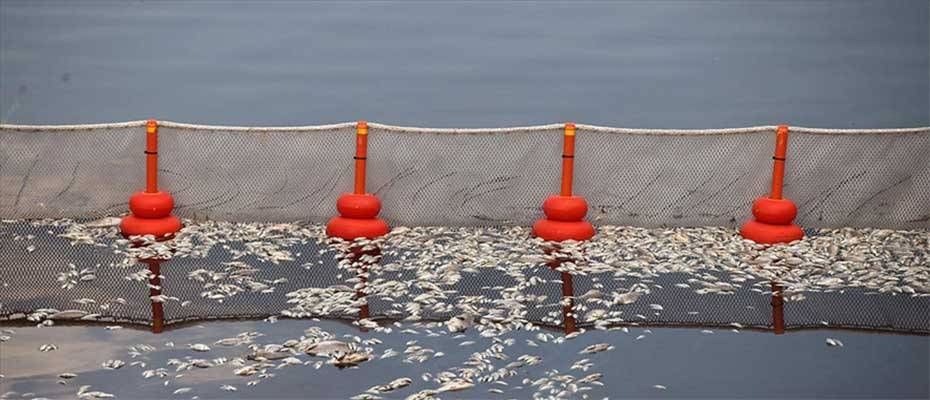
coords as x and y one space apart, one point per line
677 132
893 131
330 127
453 131
86 127
469 131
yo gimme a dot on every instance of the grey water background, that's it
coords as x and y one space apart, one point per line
659 64
663 64
690 364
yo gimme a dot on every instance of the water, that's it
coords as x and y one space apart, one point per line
634 64
693 364
690 64
689 362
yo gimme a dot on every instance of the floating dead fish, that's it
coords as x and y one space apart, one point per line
834 342
48 347
391 386
460 323
68 314
455 385
199 347
105 222
228 388
327 348
67 375
113 364
596 348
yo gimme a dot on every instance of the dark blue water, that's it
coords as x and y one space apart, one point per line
690 64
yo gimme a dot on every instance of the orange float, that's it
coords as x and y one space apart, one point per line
358 211
565 213
774 215
151 209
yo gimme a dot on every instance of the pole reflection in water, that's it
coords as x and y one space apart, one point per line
158 313
568 293
363 259
778 309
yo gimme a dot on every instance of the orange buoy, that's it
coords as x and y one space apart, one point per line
151 209
358 211
565 213
774 216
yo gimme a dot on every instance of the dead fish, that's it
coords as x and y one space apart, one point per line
67 375
228 388
460 323
199 347
113 364
455 385
350 360
834 342
105 222
391 386
68 314
47 347
596 348
327 348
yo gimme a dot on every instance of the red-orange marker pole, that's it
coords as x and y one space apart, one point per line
778 167
568 169
361 154
568 159
151 156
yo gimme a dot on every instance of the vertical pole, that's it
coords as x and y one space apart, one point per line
361 154
568 159
778 309
778 167
158 314
151 156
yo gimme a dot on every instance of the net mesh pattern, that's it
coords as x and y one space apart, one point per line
29 283
60 173
470 177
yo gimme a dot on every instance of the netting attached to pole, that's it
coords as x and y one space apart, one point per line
470 177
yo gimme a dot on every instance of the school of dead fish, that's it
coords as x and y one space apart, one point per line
418 270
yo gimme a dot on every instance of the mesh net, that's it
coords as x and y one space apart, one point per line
465 181
424 280
470 177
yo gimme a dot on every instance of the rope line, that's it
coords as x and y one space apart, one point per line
472 131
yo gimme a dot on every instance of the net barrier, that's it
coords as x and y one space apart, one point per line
470 177
624 276
63 258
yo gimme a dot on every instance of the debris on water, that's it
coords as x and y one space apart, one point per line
391 386
455 385
460 323
48 347
597 348
199 347
182 390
